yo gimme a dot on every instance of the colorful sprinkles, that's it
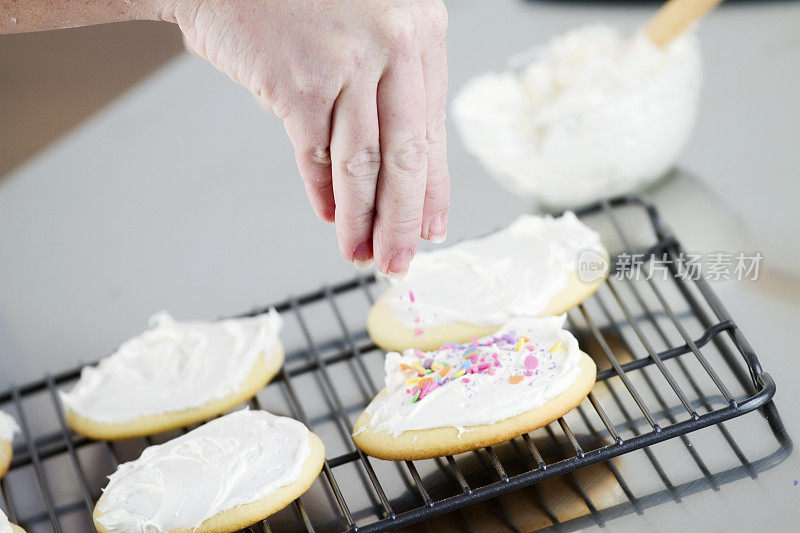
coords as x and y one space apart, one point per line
426 374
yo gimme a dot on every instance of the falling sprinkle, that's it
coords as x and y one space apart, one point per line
418 332
411 296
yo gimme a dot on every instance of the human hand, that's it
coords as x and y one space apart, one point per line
361 86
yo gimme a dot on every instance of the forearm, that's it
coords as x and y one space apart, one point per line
19 16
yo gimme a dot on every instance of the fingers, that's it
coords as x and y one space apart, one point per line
310 131
356 161
403 173
437 188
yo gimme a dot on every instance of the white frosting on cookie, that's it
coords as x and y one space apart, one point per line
173 366
489 280
8 427
237 459
5 525
522 366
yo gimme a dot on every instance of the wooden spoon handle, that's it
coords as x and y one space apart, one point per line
674 17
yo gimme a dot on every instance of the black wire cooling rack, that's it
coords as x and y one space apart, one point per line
671 361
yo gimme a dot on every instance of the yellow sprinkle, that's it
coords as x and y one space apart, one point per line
412 380
556 347
521 342
459 373
418 367
436 366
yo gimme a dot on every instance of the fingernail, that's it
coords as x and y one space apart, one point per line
398 266
362 256
437 231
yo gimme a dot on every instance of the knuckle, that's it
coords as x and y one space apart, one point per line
401 225
364 163
352 225
411 156
320 155
312 156
398 27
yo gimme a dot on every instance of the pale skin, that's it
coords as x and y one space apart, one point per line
359 84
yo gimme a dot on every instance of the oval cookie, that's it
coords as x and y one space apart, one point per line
467 396
220 477
538 266
174 374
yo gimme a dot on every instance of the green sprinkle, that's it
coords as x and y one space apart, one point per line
415 399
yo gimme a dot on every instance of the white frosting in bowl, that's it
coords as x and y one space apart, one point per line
237 459
522 366
173 366
489 280
8 427
591 114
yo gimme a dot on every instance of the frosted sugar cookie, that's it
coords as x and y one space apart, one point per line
466 396
8 427
8 527
174 374
537 266
220 477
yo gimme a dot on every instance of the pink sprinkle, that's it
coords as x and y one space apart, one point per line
529 373
491 371
418 332
465 380
474 340
531 362
473 358
411 296
416 320
482 367
497 363
420 354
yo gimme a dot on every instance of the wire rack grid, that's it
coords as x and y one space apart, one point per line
671 361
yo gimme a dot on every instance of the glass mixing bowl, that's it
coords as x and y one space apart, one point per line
624 142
